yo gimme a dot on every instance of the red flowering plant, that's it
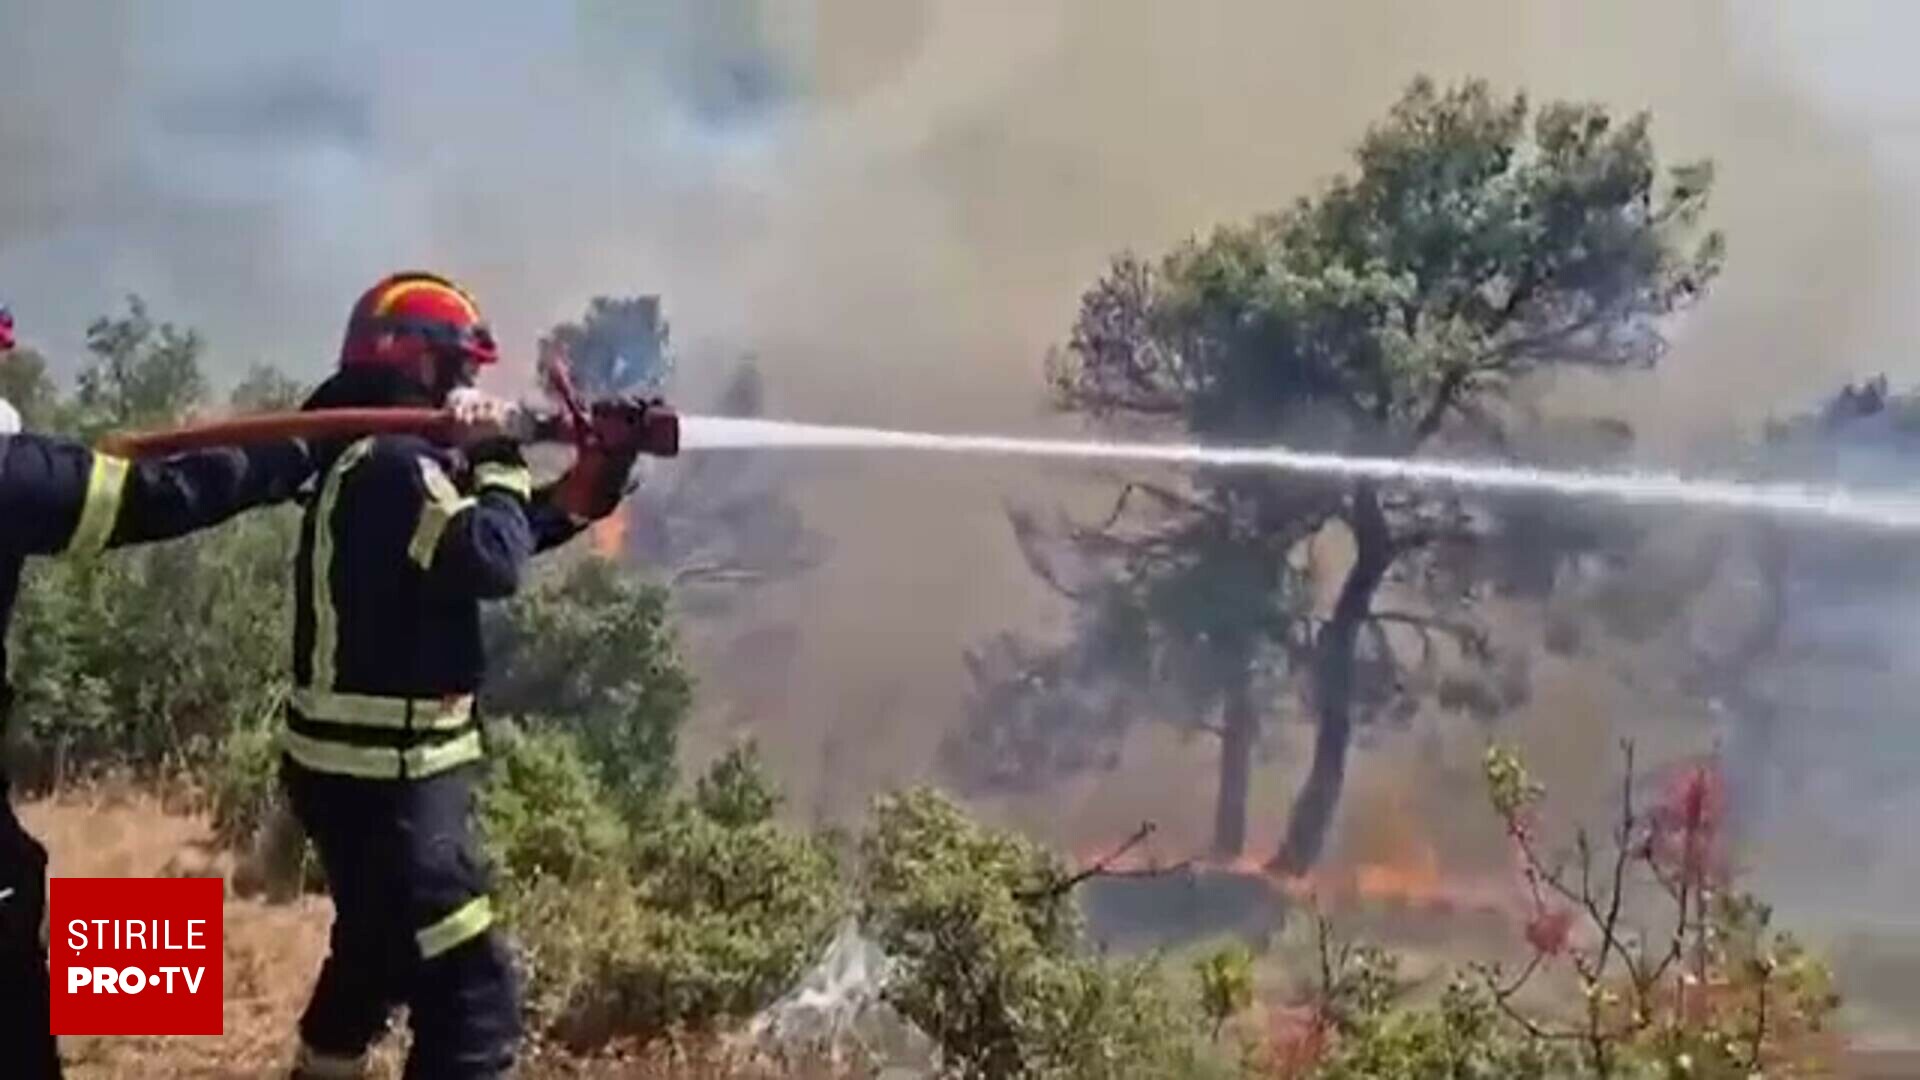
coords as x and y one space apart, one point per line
1710 989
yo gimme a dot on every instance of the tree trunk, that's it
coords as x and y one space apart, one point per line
1239 725
1313 808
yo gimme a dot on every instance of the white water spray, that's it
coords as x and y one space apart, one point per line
1647 488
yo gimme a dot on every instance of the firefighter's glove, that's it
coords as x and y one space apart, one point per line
617 436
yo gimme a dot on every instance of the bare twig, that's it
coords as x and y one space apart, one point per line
1760 1017
1502 998
1180 867
1119 507
1520 980
1102 867
1623 842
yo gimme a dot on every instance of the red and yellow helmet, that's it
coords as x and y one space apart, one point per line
412 313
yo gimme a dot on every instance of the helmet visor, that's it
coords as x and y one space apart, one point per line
474 341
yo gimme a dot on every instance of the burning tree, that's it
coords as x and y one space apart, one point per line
721 519
1479 241
618 347
715 526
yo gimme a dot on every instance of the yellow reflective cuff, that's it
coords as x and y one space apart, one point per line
367 710
515 478
380 762
106 483
434 519
326 621
468 921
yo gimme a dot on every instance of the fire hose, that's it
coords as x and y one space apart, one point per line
659 423
573 423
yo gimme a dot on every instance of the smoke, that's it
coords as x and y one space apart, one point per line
900 188
894 204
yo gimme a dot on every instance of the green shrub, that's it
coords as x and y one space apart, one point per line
544 812
589 647
718 909
990 964
1464 1037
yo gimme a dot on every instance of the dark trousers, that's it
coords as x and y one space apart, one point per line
26 1044
400 856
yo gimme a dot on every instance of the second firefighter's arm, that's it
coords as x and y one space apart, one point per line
58 496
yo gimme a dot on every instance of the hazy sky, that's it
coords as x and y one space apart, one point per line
883 189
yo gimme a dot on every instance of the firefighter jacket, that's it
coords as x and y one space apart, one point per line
59 497
402 542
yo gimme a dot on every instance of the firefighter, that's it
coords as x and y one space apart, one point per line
59 497
402 543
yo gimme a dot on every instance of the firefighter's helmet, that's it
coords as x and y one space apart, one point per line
409 314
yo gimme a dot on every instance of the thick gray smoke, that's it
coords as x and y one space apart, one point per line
900 188
251 168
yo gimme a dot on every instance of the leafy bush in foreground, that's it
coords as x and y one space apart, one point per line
702 912
990 960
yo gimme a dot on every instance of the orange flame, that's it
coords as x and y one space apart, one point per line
1390 863
609 535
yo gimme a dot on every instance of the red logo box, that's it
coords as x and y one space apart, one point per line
136 956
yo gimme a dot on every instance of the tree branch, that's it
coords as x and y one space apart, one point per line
1025 535
1502 999
1624 842
1102 867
